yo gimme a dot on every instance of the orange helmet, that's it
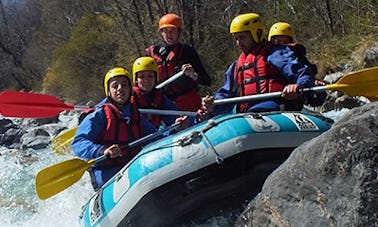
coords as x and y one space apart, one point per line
170 20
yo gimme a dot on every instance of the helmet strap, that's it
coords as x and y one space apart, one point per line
259 35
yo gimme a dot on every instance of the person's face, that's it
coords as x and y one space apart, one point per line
244 41
170 35
120 89
280 39
146 80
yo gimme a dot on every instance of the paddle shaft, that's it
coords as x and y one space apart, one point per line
140 141
154 135
168 112
263 96
170 80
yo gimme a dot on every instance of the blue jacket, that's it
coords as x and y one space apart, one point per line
84 143
284 60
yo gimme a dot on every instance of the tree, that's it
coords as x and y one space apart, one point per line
79 64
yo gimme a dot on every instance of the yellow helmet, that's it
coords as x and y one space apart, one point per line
114 73
145 64
281 28
249 22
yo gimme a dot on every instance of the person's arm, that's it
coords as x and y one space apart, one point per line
295 72
84 143
228 90
192 57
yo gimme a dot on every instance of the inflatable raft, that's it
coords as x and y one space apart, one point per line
192 174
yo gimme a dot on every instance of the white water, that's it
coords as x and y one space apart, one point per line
20 206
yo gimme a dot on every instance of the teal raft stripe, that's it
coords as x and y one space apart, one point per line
86 215
323 126
286 125
226 130
147 164
107 195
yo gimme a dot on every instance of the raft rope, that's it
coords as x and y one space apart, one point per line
188 139
211 123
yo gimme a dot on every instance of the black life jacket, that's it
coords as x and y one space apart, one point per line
169 60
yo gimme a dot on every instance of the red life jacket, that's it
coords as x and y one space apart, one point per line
254 75
169 64
120 131
156 103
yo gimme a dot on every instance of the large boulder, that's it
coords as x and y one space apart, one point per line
371 56
329 181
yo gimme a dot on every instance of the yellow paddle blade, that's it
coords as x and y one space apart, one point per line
61 144
359 83
54 179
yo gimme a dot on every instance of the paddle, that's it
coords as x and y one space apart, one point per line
61 144
168 112
56 178
359 83
169 80
34 105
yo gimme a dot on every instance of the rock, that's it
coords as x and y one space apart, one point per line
337 100
329 181
11 136
371 57
5 124
35 143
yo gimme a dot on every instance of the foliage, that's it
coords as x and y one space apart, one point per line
79 64
74 43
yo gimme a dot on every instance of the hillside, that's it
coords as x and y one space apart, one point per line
64 48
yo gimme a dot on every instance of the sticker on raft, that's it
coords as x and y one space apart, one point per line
302 122
95 209
260 123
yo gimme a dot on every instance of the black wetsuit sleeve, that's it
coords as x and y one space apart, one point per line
191 56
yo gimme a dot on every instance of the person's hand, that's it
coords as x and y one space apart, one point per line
291 92
319 83
189 71
114 151
183 121
206 109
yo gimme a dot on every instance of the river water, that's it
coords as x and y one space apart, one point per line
20 206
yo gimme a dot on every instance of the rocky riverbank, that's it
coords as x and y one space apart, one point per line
328 181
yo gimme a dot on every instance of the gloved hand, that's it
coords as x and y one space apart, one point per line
189 71
206 109
184 121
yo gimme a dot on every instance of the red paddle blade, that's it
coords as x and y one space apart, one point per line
30 105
